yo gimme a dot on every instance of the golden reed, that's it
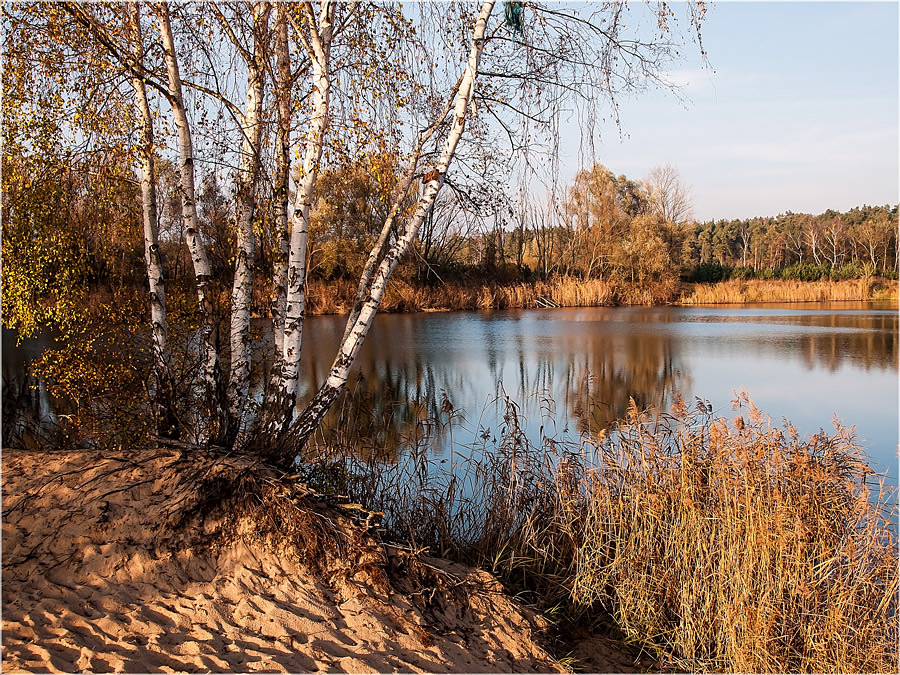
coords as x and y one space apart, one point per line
336 297
723 545
737 291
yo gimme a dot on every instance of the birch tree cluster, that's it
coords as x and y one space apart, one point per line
241 134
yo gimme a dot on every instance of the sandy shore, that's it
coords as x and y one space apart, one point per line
118 562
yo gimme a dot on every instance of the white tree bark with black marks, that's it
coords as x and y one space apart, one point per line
403 185
202 273
242 290
318 46
312 415
282 88
152 257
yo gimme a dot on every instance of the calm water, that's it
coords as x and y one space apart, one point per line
807 363
573 370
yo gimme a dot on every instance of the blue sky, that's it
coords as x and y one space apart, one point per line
796 111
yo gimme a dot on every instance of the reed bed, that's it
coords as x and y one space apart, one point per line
722 544
336 297
735 291
730 545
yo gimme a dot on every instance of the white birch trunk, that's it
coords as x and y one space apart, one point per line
282 180
403 186
320 47
202 273
242 290
166 424
315 411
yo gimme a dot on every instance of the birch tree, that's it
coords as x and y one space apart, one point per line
216 408
164 395
316 41
282 86
248 174
670 198
474 82
360 320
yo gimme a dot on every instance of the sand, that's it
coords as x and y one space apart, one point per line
115 562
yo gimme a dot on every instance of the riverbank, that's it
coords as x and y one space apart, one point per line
165 560
736 291
121 562
336 297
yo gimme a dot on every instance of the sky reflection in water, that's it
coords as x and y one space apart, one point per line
802 362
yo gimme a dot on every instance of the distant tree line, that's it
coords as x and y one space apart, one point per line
603 226
856 243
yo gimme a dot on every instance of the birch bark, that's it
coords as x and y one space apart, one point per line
308 421
319 47
217 411
164 396
406 180
242 290
282 178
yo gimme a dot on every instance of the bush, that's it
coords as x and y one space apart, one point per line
805 272
854 270
708 273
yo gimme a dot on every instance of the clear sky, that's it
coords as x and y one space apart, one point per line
797 111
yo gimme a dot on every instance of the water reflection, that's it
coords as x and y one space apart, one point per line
575 370
28 412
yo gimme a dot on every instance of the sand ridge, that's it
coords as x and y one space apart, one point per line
96 579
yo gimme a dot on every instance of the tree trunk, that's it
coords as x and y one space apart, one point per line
282 180
403 185
312 415
320 46
242 291
216 421
166 421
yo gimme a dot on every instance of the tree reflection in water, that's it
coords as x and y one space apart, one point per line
575 371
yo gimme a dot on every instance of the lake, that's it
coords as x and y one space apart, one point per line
574 370
807 363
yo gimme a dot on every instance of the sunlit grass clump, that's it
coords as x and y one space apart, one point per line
406 296
740 291
721 544
733 545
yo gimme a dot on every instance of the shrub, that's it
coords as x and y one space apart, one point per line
709 273
805 272
853 270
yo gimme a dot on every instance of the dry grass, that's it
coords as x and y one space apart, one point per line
336 297
725 545
737 291
735 546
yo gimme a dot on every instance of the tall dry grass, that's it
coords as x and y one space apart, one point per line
336 297
402 295
736 291
725 545
737 546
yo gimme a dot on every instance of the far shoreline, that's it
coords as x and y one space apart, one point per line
404 297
